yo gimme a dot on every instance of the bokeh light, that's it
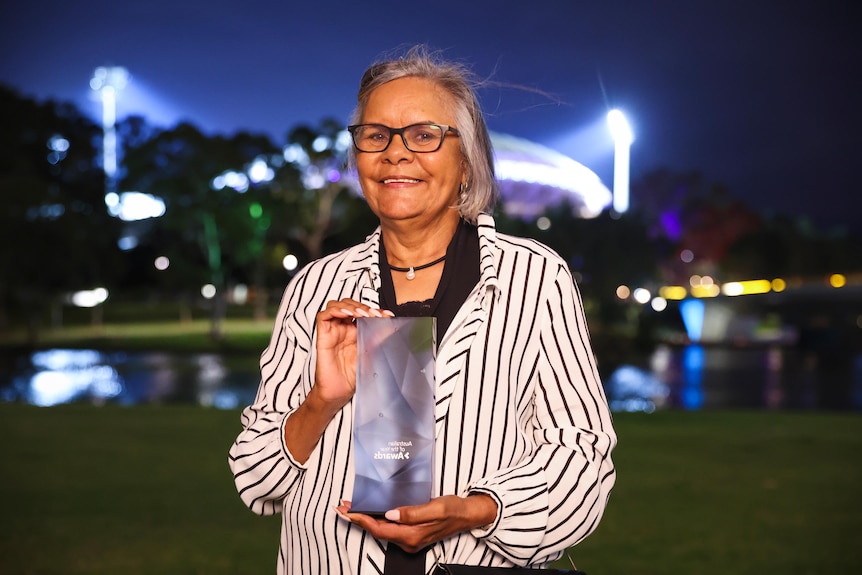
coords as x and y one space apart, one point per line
290 262
208 291
837 280
642 295
162 263
623 292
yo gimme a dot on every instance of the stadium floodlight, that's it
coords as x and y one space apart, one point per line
108 82
623 138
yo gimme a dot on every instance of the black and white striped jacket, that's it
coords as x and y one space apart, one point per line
520 415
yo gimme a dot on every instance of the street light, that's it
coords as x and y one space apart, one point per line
107 82
622 135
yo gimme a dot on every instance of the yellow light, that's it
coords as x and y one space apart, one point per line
778 285
837 280
755 286
705 291
747 287
673 292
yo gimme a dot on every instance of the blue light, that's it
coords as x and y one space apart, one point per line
127 243
65 375
633 389
692 311
693 361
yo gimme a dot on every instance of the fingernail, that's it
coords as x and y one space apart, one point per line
375 312
342 515
362 313
388 313
393 515
347 311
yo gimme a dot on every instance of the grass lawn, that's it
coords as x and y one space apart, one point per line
147 490
242 335
732 492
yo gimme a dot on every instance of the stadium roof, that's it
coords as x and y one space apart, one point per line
533 178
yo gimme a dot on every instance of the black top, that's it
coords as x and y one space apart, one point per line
460 276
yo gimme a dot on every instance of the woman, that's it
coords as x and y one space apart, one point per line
523 433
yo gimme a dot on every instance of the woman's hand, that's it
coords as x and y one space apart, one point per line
416 527
335 375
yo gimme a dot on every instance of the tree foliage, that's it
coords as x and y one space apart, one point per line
55 232
207 229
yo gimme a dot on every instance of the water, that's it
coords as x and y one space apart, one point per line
703 377
58 376
673 377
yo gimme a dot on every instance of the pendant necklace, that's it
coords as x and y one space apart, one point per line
411 271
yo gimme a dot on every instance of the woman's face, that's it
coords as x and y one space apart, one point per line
400 185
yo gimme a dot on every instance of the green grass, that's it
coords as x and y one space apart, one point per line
239 335
732 492
147 490
125 490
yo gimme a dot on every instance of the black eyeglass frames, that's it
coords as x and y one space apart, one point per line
421 138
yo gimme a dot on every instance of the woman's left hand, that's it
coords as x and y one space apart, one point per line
416 527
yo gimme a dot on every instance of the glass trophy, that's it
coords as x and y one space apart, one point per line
393 430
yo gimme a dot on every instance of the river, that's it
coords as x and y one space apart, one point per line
689 377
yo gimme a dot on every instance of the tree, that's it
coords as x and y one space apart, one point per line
683 212
56 235
602 252
207 219
784 247
320 154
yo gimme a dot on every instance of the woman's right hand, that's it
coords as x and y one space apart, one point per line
335 375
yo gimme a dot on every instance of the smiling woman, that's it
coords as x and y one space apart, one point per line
522 434
411 183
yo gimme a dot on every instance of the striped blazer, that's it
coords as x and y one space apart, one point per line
520 415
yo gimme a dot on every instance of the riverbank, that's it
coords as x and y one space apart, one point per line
239 335
104 490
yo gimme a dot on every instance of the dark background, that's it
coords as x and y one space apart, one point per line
759 96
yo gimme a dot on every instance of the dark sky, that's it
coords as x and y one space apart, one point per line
761 96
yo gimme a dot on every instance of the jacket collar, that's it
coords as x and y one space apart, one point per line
489 259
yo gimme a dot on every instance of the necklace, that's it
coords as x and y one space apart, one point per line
411 271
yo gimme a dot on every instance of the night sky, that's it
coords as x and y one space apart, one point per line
763 97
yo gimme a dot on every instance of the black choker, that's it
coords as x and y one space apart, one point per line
411 271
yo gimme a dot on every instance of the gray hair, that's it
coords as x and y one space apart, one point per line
480 192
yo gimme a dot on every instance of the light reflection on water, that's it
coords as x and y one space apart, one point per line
690 377
58 376
700 377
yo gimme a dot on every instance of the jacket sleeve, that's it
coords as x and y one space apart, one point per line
555 497
264 470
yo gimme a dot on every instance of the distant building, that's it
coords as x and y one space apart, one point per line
533 178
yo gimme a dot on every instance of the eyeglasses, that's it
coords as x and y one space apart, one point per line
416 137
